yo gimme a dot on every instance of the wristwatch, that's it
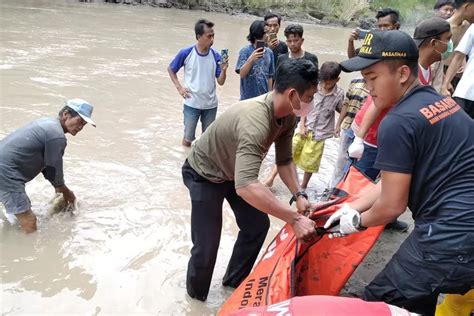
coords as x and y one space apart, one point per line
358 225
298 194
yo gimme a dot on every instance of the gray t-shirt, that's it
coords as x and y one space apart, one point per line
34 148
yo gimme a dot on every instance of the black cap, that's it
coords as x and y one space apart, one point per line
382 45
442 3
429 28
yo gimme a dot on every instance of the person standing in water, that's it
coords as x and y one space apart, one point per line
38 147
202 68
224 164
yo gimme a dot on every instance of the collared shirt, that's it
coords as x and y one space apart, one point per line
321 119
355 97
256 81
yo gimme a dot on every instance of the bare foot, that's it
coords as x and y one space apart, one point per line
186 143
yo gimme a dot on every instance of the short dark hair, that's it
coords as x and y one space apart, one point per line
199 26
300 74
329 71
394 64
294 29
441 3
68 110
256 31
270 15
459 3
394 14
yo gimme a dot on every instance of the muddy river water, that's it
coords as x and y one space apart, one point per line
125 250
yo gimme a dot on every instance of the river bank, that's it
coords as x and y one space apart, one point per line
334 12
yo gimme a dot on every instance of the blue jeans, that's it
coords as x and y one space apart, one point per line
366 163
342 163
191 118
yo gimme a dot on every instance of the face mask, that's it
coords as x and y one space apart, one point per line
305 108
448 51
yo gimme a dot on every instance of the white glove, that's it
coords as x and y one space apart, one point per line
349 221
10 218
356 149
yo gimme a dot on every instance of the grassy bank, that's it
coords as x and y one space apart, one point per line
344 12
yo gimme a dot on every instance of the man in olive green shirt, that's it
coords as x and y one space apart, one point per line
224 164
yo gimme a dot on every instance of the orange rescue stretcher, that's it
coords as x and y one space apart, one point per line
291 268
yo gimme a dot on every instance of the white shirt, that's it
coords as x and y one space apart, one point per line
200 73
465 87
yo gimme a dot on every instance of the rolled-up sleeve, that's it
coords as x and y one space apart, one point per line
283 147
248 159
53 158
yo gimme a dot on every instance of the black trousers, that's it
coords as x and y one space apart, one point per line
206 224
467 105
414 277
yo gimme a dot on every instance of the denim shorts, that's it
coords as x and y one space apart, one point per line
15 202
191 118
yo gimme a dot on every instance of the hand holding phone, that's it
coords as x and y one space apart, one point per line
259 44
362 33
271 37
224 55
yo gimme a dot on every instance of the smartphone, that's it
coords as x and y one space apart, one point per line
224 54
362 33
271 37
259 44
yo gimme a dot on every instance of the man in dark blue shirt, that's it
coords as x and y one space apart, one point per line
426 157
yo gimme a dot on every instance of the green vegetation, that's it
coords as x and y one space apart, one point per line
411 11
330 11
343 11
337 10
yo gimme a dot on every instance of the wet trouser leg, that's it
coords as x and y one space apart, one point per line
415 276
207 117
253 225
206 225
191 118
347 137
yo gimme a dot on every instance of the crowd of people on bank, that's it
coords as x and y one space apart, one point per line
406 122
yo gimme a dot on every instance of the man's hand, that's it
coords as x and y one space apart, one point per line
184 92
224 64
68 195
303 130
273 44
257 54
337 131
354 35
302 204
445 91
356 149
303 228
349 221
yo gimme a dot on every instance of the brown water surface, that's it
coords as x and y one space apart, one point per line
126 249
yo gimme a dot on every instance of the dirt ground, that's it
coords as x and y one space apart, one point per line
381 253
